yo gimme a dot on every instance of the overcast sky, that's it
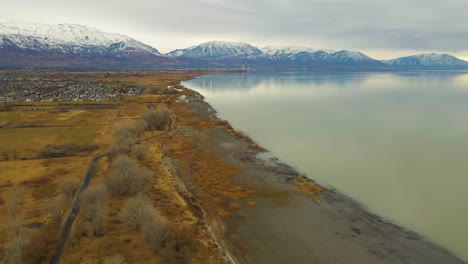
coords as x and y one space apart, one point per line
381 28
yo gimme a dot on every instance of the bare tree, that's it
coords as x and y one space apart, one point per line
5 155
154 226
140 152
56 207
115 259
14 200
176 248
126 135
126 177
95 205
69 187
137 209
15 246
15 154
156 119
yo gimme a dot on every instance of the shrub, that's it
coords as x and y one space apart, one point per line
67 150
125 136
140 152
126 177
4 106
130 129
176 248
69 187
14 200
154 227
14 249
41 245
136 210
55 207
95 204
156 119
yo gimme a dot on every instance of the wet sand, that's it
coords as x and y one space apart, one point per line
274 222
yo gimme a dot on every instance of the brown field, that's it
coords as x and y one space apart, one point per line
33 126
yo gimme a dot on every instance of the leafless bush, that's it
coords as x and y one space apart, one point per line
126 177
5 155
14 200
41 244
14 249
67 150
116 259
154 226
95 205
125 136
132 128
61 109
56 207
156 119
15 154
120 148
4 106
140 152
69 187
137 209
176 247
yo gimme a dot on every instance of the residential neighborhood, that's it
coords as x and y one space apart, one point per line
40 90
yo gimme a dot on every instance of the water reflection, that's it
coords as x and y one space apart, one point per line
267 83
402 135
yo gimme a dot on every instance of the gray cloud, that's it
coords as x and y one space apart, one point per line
352 24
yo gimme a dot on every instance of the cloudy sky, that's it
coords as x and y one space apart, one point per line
381 28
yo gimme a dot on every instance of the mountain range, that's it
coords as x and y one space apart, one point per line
34 45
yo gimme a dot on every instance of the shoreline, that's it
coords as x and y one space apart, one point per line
365 235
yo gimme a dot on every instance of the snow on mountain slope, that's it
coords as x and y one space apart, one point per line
352 57
289 51
218 50
427 60
285 51
68 38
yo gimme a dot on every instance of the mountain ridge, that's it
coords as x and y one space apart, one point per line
26 45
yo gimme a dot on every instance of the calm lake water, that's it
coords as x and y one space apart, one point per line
396 142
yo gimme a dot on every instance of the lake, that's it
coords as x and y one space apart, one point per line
397 142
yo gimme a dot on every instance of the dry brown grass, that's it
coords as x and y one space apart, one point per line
42 180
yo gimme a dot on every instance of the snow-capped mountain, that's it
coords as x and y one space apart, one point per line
347 57
427 60
26 45
285 51
218 50
289 52
274 56
69 39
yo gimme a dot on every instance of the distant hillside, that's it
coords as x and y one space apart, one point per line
34 45
66 45
232 52
427 60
